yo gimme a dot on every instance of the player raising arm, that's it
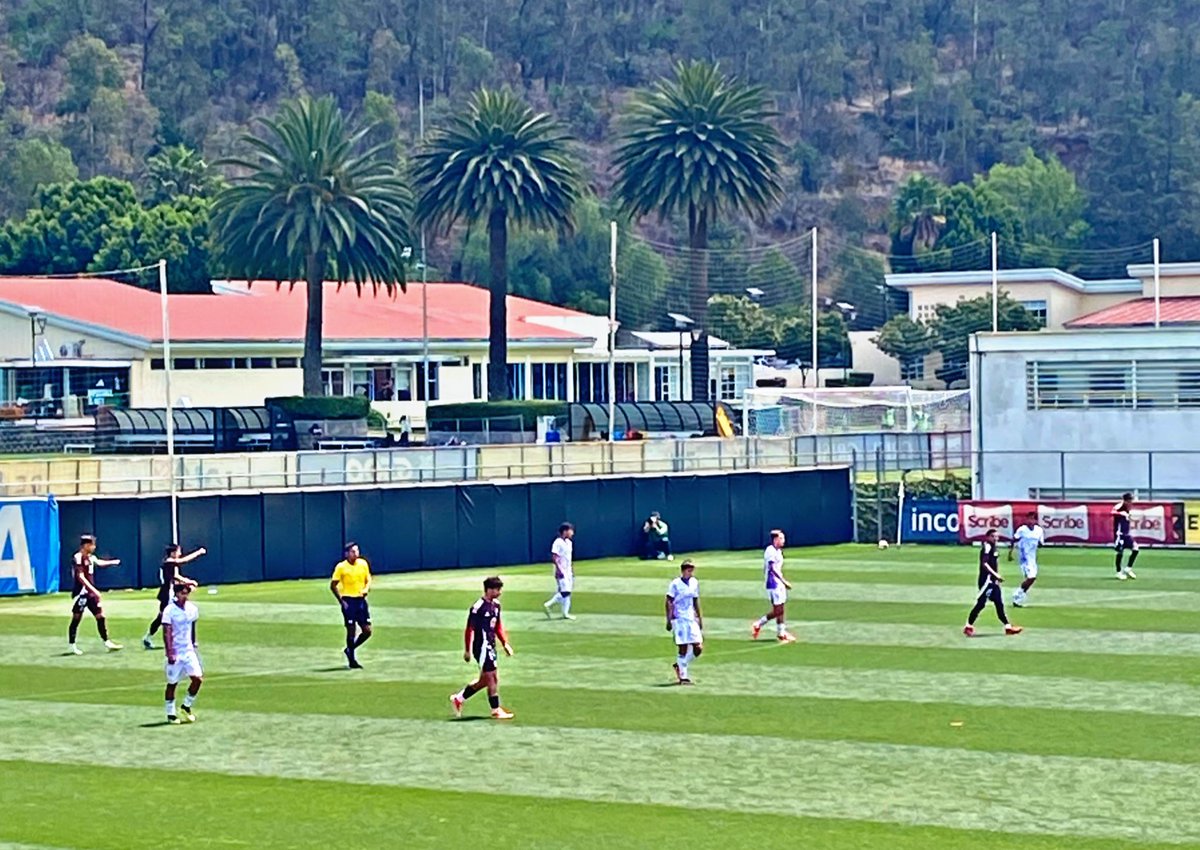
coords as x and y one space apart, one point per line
685 620
85 596
168 577
1122 514
777 588
484 628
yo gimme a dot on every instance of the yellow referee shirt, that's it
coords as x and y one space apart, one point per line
353 579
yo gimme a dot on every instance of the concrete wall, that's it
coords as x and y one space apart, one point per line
1081 451
1062 304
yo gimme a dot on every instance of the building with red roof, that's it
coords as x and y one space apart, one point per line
68 345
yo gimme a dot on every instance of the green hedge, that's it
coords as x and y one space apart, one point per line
854 379
506 411
950 487
322 407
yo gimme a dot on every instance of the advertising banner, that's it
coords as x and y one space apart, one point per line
1073 522
1191 523
930 521
28 546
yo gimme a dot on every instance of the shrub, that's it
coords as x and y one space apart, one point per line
321 407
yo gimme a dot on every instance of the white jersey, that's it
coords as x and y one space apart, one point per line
683 596
562 550
181 621
773 567
1027 540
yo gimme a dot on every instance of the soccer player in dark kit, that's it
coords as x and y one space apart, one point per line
168 577
1123 538
989 587
85 596
479 645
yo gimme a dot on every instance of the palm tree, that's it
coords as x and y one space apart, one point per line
498 162
698 145
918 215
310 204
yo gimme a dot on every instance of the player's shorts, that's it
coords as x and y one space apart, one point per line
777 595
566 584
186 666
1125 541
1029 569
86 601
687 631
485 657
356 611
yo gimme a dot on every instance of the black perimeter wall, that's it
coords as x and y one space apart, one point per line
300 534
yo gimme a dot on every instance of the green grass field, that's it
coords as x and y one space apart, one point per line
882 728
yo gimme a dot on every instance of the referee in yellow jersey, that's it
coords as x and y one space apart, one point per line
351 581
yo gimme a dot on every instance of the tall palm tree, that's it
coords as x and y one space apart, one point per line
310 204
502 163
698 144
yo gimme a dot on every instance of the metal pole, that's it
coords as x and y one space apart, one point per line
816 374
1157 287
170 416
995 284
854 493
425 381
612 332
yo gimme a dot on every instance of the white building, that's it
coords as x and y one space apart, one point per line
1087 413
68 345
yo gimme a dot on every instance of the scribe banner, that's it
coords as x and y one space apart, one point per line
28 546
1072 522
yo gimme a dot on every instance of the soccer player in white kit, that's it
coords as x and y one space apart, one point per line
685 620
1026 541
179 639
562 552
777 588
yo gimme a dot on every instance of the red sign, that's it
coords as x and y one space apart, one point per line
1071 522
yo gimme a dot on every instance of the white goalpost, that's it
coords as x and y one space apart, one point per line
799 411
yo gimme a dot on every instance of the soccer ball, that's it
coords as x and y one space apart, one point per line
883 544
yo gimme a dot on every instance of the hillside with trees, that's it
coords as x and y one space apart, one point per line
911 128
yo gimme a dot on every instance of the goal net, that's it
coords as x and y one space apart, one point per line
794 411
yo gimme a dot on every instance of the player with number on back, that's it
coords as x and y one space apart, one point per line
84 594
685 620
479 645
989 587
179 639
1122 514
1026 541
777 588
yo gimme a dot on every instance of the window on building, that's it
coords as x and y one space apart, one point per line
183 364
262 362
623 381
158 364
550 381
732 381
645 389
666 383
591 382
333 380
434 390
1068 384
912 370
1039 311
216 363
516 380
926 312
477 381
287 362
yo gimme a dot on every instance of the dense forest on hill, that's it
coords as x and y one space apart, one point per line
866 93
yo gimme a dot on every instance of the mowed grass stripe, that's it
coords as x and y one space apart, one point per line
732 679
945 636
831 779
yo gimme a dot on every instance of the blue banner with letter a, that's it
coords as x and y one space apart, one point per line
29 546
931 521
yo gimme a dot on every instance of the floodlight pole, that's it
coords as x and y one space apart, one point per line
1157 286
425 377
612 332
816 373
995 284
170 414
